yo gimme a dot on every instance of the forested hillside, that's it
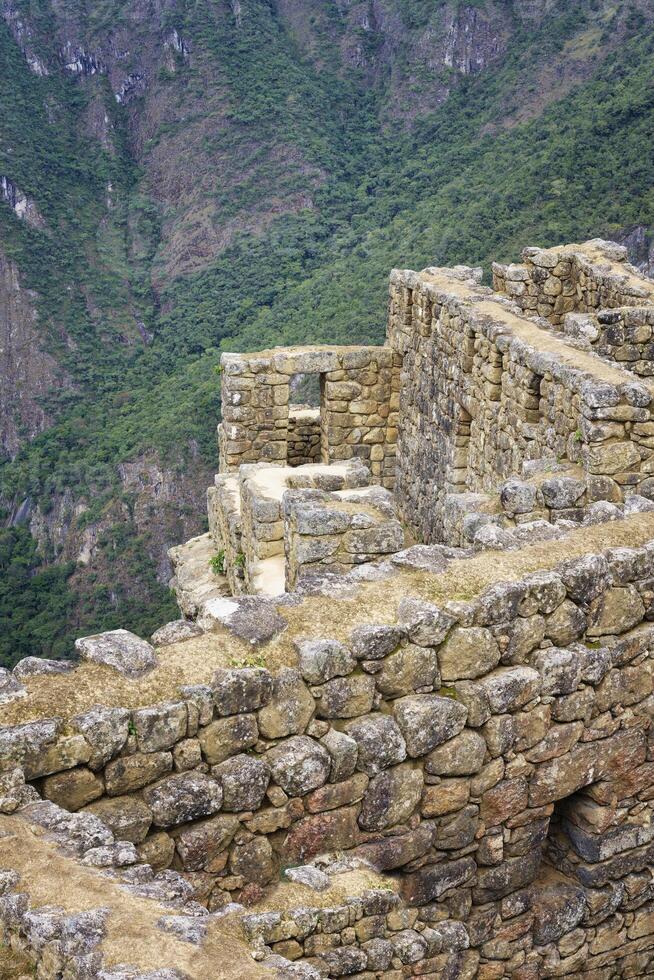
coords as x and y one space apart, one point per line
181 177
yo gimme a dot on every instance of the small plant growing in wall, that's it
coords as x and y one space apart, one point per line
217 563
239 561
252 660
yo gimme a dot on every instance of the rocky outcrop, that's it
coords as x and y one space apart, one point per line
28 372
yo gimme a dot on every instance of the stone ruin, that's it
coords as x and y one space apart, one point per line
404 727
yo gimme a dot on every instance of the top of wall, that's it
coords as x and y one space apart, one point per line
538 346
238 630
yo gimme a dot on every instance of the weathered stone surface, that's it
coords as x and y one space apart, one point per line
508 798
448 796
106 730
253 861
119 649
244 780
468 652
507 877
509 688
126 816
379 742
345 697
133 772
560 670
157 850
393 852
425 624
240 690
585 578
566 624
182 797
617 611
320 660
332 795
409 669
299 765
462 755
391 797
228 736
427 720
175 632
429 884
160 726
560 908
199 843
290 709
343 751
374 642
332 830
72 789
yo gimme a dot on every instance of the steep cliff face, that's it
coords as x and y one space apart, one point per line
28 372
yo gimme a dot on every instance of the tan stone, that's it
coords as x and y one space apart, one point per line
73 789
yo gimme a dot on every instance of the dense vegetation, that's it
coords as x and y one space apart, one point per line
465 183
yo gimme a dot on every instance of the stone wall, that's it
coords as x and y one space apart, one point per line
437 742
334 532
582 278
485 392
623 335
303 435
359 396
358 415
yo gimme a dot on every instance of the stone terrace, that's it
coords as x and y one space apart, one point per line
361 756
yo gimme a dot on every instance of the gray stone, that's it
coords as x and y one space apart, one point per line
299 765
374 642
227 736
391 797
160 726
586 578
427 720
409 669
10 688
425 624
31 666
177 631
379 741
290 709
244 780
118 855
241 689
182 797
561 492
345 697
320 660
468 652
119 649
343 751
518 497
508 688
78 832
127 817
307 875
560 670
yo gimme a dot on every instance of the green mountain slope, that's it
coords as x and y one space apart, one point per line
257 194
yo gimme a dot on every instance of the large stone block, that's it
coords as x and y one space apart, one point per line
427 720
183 797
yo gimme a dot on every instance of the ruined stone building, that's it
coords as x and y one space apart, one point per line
404 727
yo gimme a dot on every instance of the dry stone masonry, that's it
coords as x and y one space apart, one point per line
405 727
